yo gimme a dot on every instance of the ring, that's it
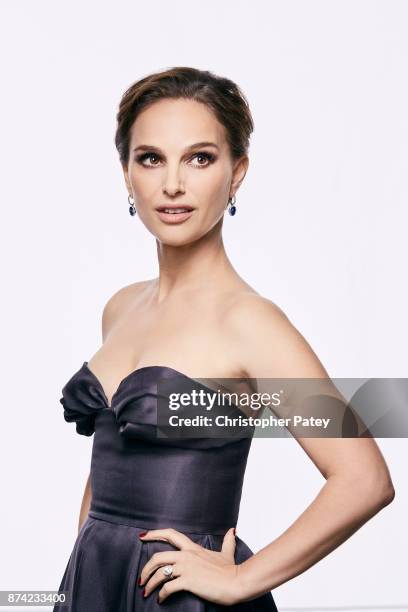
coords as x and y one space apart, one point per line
168 571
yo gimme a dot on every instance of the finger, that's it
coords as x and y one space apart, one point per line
165 557
169 587
229 543
158 577
178 539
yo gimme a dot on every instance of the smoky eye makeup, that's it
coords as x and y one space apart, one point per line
142 157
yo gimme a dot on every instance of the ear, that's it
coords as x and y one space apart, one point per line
127 181
238 173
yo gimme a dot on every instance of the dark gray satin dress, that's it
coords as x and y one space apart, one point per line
141 482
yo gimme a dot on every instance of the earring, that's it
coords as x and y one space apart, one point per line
232 208
132 207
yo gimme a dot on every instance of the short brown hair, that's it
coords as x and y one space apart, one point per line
220 94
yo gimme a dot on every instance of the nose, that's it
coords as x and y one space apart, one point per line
173 182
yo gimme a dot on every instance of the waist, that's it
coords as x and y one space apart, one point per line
146 523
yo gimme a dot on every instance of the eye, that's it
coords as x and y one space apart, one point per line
205 157
208 158
141 158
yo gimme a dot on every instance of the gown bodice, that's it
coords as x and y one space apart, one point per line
137 478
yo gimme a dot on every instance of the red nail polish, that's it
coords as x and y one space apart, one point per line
140 580
144 593
142 534
235 531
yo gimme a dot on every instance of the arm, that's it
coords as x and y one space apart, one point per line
358 483
86 502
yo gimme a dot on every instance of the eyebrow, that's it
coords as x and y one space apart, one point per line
145 147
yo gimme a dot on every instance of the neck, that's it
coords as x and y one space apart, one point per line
203 263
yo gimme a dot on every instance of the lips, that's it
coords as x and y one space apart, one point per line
174 214
172 209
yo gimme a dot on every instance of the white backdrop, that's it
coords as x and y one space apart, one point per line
322 210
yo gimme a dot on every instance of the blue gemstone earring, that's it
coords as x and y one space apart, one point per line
132 207
232 208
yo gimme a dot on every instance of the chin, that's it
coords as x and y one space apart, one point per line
183 239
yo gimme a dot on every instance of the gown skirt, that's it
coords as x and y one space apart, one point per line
140 481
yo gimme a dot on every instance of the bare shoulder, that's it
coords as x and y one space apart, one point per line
120 302
261 312
251 302
271 344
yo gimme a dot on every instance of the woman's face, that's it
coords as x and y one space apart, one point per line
169 165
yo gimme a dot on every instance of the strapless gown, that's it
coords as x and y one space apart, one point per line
139 482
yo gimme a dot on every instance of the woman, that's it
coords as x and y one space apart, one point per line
157 521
